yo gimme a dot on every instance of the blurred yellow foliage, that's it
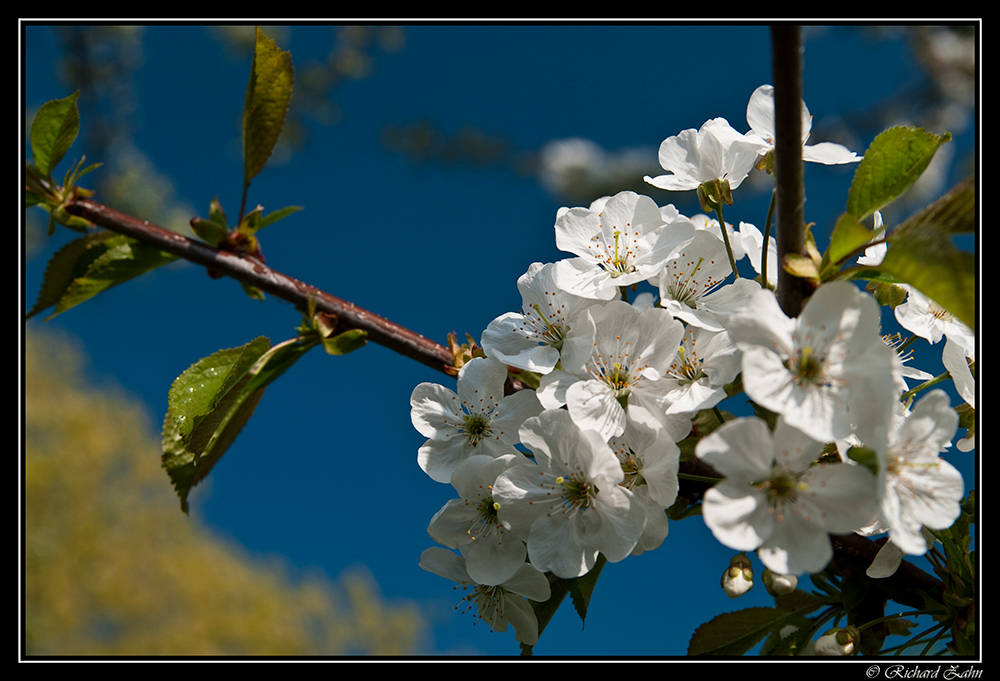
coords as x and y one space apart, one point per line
111 567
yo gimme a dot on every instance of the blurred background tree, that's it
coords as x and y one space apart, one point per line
112 568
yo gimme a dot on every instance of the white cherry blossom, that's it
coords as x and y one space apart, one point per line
649 460
776 500
922 316
477 420
716 151
612 360
500 604
618 241
692 284
532 338
760 116
570 506
470 523
705 363
917 487
828 372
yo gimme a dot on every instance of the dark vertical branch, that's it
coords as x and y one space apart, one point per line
786 54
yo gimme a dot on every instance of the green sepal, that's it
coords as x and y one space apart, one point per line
887 293
53 131
893 162
864 456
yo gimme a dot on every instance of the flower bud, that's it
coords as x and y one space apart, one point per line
837 642
779 585
738 577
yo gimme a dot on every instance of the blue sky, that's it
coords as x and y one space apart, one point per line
325 473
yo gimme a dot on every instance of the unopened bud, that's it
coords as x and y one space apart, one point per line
779 585
837 642
738 577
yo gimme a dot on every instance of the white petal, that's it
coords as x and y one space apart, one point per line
435 411
829 153
593 406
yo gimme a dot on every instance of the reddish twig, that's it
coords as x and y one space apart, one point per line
251 271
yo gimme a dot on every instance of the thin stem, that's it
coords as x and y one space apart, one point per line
934 381
243 202
767 238
879 620
698 478
725 238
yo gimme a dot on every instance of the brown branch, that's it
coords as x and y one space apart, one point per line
786 54
251 271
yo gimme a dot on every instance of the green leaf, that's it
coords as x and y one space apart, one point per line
893 162
558 588
83 268
735 633
802 266
848 236
346 342
216 214
208 405
209 231
52 132
68 263
582 588
210 402
277 215
953 213
268 94
926 259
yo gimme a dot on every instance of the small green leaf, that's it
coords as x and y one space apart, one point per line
250 222
277 215
801 266
216 214
926 259
346 342
848 236
893 162
210 231
268 94
53 131
83 268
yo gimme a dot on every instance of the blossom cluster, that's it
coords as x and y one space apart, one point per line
548 480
